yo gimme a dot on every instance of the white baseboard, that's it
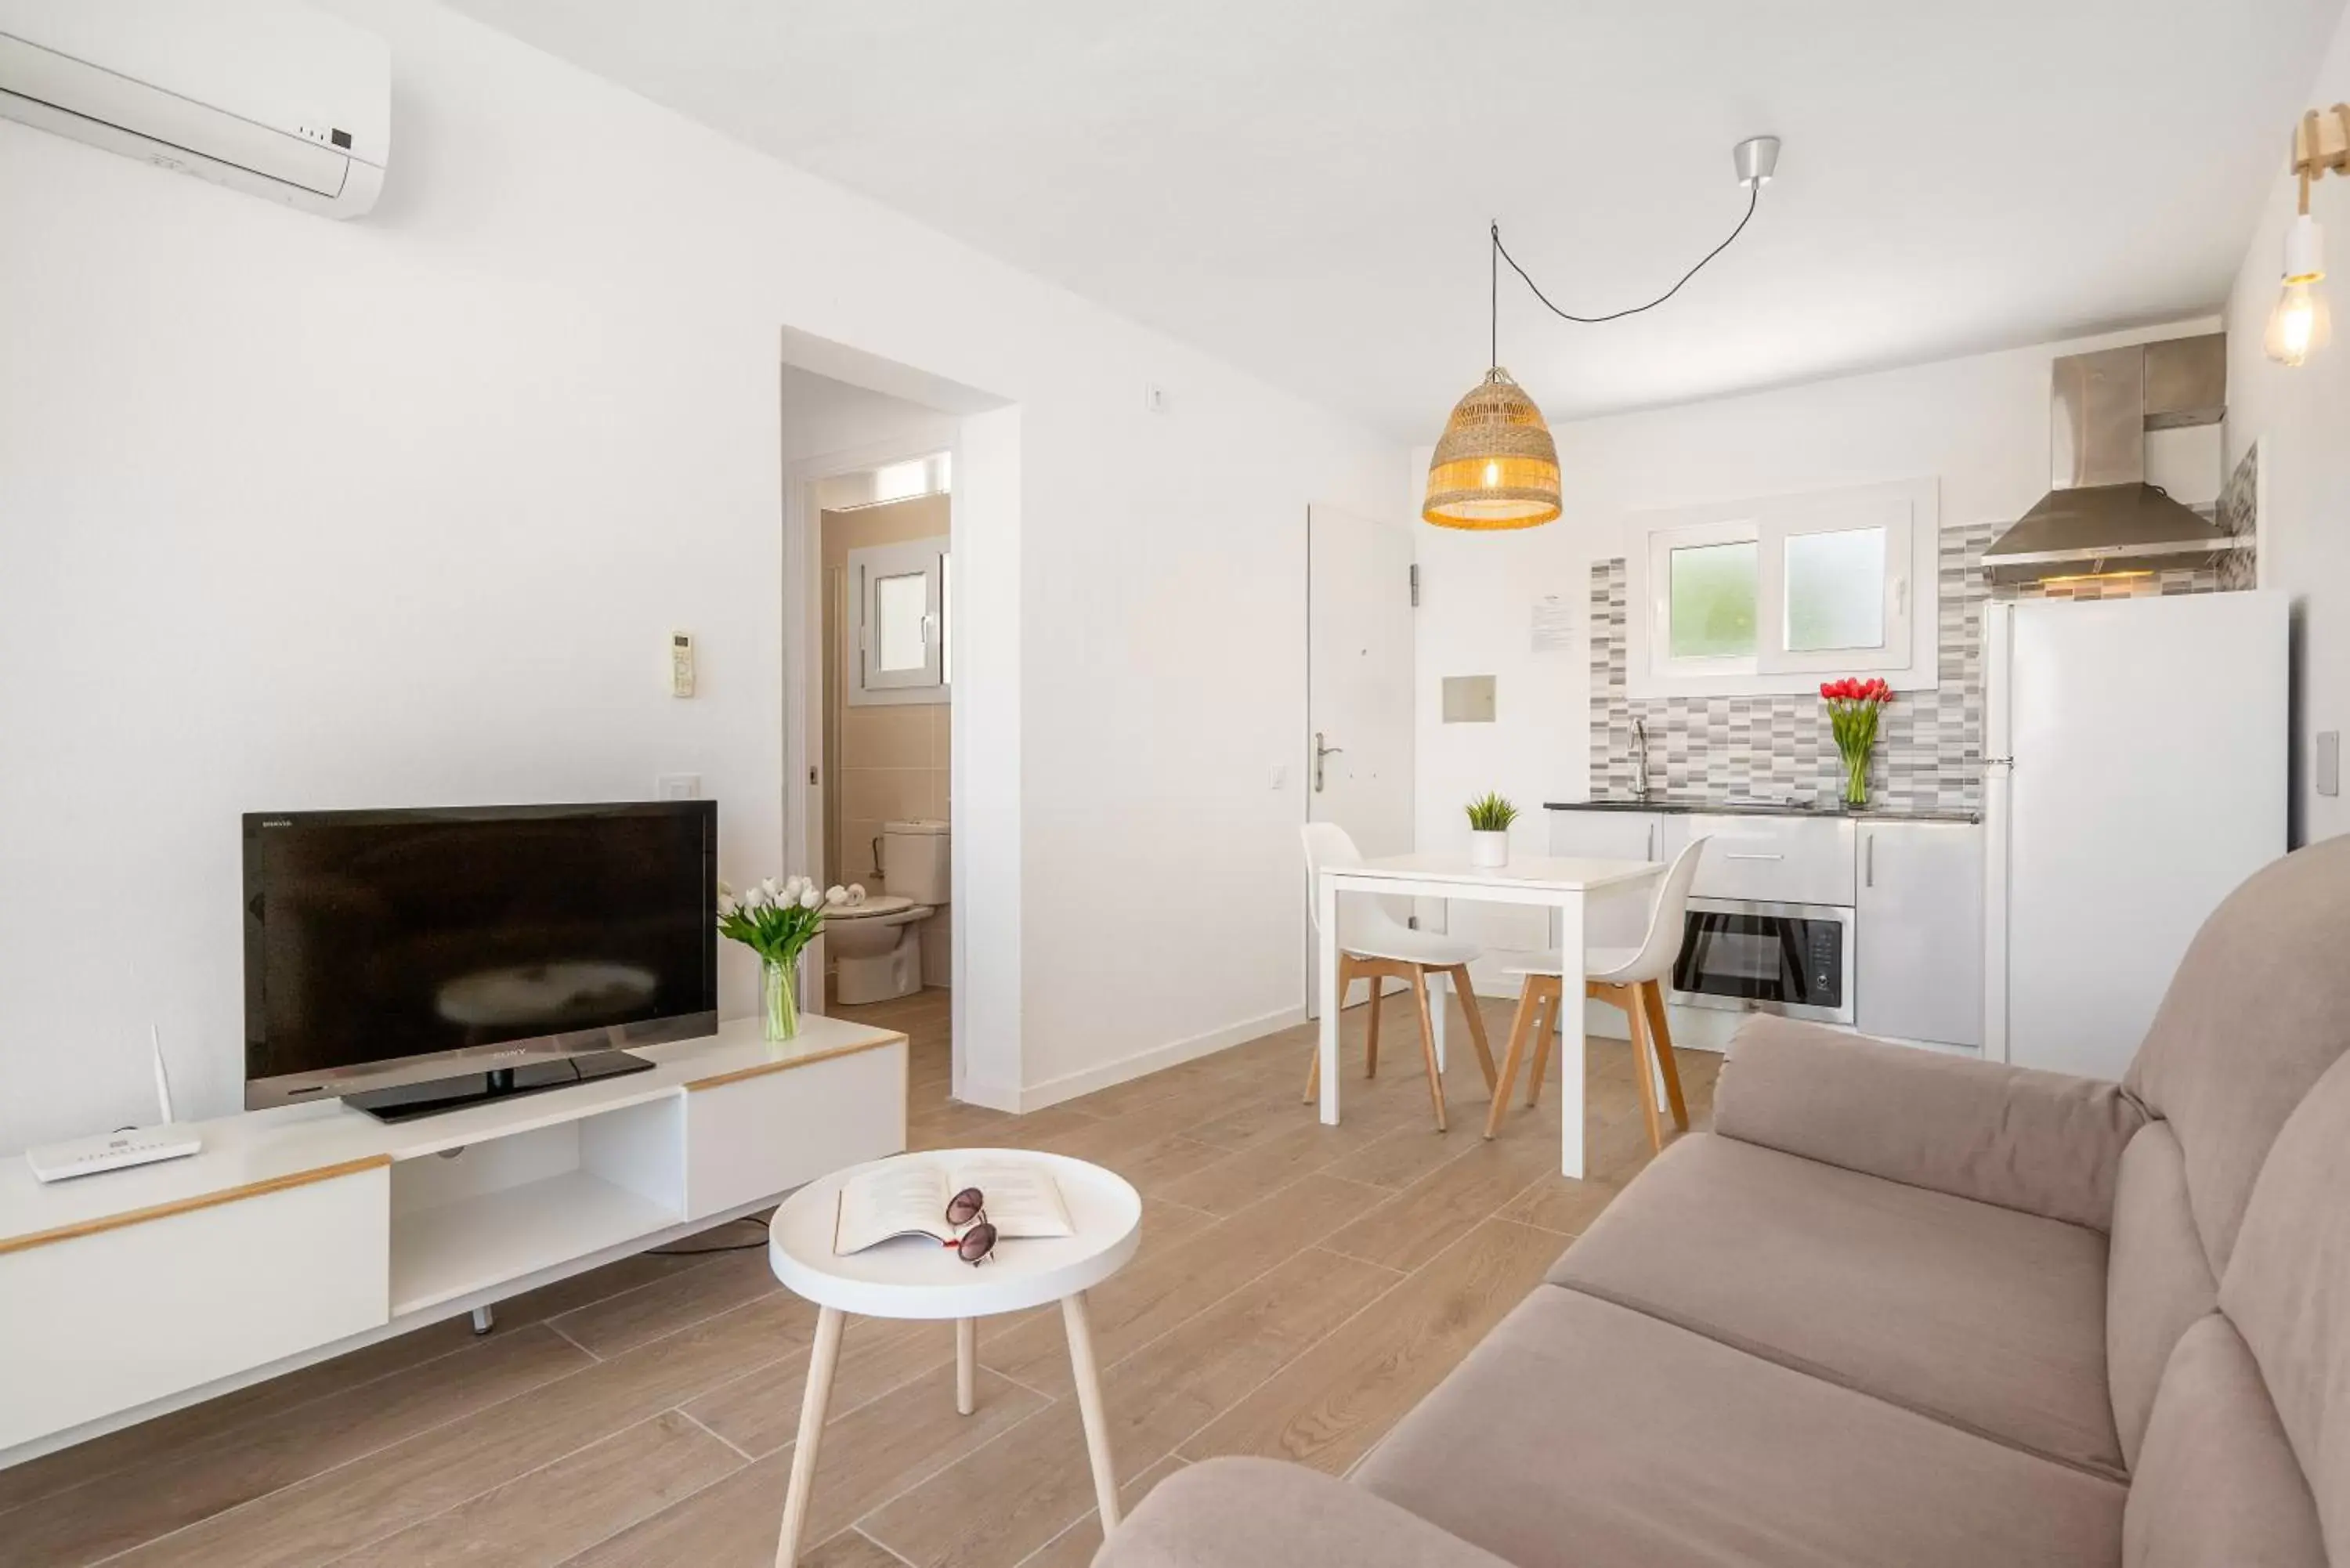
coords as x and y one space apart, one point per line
1070 1085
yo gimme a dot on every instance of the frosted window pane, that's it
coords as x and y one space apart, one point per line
899 604
1835 590
1712 602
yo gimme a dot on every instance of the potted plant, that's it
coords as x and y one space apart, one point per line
777 920
1852 706
1488 830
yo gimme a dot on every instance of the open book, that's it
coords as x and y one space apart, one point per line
910 1200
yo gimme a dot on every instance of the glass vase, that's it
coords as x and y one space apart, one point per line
1856 780
779 1004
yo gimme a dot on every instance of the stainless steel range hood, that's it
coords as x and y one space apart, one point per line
2102 515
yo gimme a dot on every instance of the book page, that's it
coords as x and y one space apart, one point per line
902 1201
1021 1200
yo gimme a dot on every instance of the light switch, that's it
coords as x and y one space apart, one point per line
678 787
1280 777
680 664
2329 762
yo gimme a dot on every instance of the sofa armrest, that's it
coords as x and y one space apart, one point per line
1261 1513
2042 1142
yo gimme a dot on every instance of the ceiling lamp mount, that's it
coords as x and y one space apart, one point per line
2298 327
1496 466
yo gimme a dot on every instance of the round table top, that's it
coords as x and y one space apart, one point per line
914 1277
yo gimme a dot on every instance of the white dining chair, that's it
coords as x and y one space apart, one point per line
1374 946
1629 978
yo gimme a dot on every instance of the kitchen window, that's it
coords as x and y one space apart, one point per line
1767 596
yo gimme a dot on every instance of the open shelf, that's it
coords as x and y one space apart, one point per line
450 1251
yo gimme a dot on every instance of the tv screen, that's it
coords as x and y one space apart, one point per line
387 946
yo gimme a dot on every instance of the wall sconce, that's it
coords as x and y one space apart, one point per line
2299 324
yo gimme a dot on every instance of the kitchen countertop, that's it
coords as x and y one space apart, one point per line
1678 804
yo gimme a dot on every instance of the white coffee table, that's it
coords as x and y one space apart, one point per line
914 1277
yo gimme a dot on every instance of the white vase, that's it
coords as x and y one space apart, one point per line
1488 849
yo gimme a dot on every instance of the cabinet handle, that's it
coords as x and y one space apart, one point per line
1868 862
1735 854
1651 853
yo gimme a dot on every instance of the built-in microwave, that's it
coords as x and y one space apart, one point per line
1751 957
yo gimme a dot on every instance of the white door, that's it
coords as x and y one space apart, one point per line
1359 661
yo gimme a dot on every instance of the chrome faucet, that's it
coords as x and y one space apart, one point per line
1640 758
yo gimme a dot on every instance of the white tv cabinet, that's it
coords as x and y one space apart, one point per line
306 1231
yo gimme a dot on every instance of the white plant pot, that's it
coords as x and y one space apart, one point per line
1488 849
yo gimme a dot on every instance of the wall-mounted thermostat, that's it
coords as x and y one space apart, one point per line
680 664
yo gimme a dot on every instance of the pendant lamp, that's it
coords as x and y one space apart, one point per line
1496 466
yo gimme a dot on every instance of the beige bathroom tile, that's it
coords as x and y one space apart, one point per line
885 737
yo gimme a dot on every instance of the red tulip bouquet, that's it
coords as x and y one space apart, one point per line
1852 706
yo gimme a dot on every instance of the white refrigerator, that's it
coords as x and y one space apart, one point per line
2135 758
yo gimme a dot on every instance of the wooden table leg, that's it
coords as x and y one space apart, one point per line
823 1357
1089 1405
966 1365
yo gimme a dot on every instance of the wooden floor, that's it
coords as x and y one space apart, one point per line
1298 1288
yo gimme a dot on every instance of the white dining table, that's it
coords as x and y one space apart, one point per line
1559 883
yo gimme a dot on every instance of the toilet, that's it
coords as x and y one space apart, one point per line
876 946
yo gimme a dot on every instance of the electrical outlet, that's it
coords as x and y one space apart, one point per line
678 787
1154 398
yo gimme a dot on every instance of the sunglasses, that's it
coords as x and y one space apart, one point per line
974 1245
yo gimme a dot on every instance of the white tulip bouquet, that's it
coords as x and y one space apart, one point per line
777 921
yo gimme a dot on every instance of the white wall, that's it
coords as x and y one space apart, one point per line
299 514
1980 425
2299 418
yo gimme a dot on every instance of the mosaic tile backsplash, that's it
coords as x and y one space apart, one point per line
1929 743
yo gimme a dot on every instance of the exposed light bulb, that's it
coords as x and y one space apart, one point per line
1492 476
2299 325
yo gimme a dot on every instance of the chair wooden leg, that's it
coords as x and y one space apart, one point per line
1371 1030
1427 1045
1513 1054
1468 995
1642 1071
1660 1039
1545 1026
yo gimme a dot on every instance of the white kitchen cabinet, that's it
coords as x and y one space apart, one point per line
1919 931
1617 919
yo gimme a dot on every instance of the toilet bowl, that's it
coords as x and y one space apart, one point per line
876 946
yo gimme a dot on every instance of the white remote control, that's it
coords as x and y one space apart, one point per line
112 1151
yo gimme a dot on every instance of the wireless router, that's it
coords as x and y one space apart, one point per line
131 1146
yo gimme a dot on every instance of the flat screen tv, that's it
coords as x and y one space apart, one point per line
412 961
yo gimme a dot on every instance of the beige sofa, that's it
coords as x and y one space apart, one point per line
1903 1309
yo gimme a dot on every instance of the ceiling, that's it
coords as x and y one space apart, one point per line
1302 187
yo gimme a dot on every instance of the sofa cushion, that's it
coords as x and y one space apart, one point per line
2253 1017
2159 1282
2287 1290
2217 1482
1263 1513
2043 1142
1583 1433
1977 1315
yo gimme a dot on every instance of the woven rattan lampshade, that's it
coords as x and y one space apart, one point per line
1496 466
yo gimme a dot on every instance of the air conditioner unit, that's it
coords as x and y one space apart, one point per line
260 96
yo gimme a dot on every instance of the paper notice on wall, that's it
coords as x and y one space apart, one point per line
1552 624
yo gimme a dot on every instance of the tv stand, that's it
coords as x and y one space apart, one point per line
404 1102
303 1231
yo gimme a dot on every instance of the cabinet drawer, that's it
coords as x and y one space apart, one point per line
757 1136
1775 860
104 1322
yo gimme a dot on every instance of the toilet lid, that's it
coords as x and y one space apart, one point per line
876 904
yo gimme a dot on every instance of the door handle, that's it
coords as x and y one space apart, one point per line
1322 749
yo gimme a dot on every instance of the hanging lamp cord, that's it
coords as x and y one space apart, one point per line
1500 253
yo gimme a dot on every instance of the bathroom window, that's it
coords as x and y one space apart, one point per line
898 633
1764 597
